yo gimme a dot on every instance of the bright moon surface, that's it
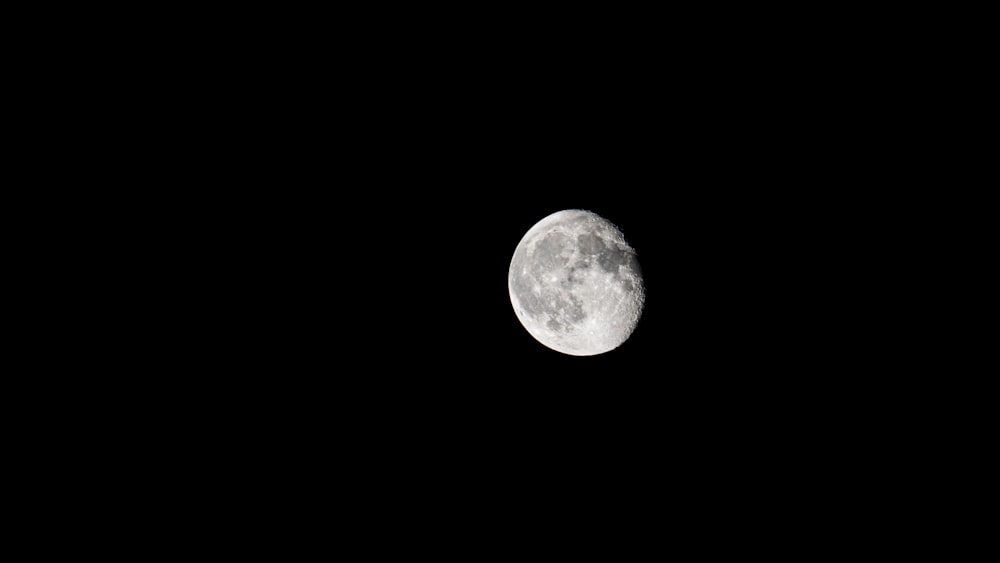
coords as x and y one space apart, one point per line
575 283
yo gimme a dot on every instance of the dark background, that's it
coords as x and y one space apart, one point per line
377 202
337 212
271 300
368 294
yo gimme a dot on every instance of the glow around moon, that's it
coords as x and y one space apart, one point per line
575 283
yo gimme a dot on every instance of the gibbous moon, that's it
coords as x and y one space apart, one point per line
575 283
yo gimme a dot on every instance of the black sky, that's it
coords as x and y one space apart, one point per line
378 254
351 234
310 256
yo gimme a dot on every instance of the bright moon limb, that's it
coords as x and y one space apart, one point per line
575 283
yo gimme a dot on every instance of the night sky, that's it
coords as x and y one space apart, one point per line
346 286
379 271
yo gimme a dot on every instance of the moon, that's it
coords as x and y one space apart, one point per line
575 283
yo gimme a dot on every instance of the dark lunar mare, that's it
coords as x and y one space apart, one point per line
590 244
611 259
